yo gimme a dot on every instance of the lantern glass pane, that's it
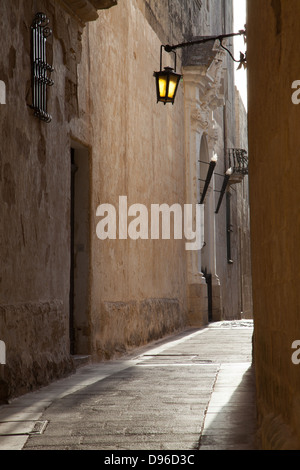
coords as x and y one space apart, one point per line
172 87
162 84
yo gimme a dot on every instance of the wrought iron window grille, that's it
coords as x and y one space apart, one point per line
41 70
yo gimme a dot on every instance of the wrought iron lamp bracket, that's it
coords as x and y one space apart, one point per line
175 57
220 38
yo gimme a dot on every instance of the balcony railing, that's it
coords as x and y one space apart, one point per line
238 161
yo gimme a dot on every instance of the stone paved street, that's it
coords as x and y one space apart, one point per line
192 391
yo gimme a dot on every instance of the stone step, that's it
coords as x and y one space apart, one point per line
81 360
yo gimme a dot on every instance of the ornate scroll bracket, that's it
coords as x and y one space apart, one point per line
41 70
201 117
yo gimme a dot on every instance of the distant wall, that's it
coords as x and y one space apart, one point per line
244 216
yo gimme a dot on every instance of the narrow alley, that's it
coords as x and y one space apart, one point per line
191 391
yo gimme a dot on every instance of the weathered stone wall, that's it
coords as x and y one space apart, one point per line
35 199
137 152
103 99
134 324
274 167
243 218
35 338
189 18
229 274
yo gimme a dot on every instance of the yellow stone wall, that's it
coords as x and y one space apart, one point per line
138 152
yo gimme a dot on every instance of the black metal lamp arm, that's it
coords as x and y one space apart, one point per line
220 38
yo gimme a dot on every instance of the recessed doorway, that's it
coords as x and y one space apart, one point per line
80 251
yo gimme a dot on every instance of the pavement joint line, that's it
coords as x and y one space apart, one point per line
210 412
207 406
170 344
191 364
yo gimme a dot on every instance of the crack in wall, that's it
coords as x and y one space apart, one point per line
276 5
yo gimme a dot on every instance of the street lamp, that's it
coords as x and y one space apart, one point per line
167 82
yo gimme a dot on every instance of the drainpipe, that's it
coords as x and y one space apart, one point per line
224 108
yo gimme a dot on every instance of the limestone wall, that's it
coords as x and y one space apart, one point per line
228 273
103 106
35 179
138 287
243 209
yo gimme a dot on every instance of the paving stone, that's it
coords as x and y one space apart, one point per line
192 391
